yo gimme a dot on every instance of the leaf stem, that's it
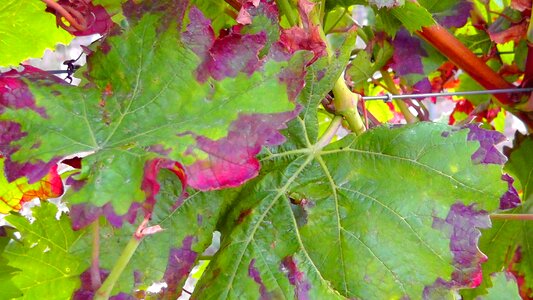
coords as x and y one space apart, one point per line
515 217
330 132
346 105
96 282
337 21
104 291
286 8
65 14
389 83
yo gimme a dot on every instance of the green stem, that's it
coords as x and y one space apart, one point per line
286 8
346 105
362 34
404 109
104 291
322 12
330 132
515 217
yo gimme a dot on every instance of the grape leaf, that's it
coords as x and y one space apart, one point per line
44 255
22 21
448 13
504 238
411 15
9 289
362 68
504 287
14 194
140 105
413 59
352 194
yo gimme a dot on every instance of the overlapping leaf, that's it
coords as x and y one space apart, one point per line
377 201
43 254
159 92
14 194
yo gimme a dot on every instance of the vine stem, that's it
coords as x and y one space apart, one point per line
104 291
345 103
404 109
515 217
64 13
330 132
286 8
96 282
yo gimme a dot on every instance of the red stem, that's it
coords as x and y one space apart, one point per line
96 281
64 13
463 58
517 217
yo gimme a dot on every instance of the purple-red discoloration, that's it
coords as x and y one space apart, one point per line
408 53
487 152
84 214
87 289
15 94
456 16
225 56
232 159
462 223
256 276
180 263
296 278
510 199
150 184
304 38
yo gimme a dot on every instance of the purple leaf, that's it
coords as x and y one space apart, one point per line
510 199
180 263
487 152
407 58
457 16
462 225
225 56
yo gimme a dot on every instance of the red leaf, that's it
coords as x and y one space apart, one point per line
306 38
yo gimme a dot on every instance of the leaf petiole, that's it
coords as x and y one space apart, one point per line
330 132
346 105
404 109
514 217
104 291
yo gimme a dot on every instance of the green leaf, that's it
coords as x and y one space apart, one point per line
505 287
372 198
22 21
411 15
362 68
8 289
44 255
